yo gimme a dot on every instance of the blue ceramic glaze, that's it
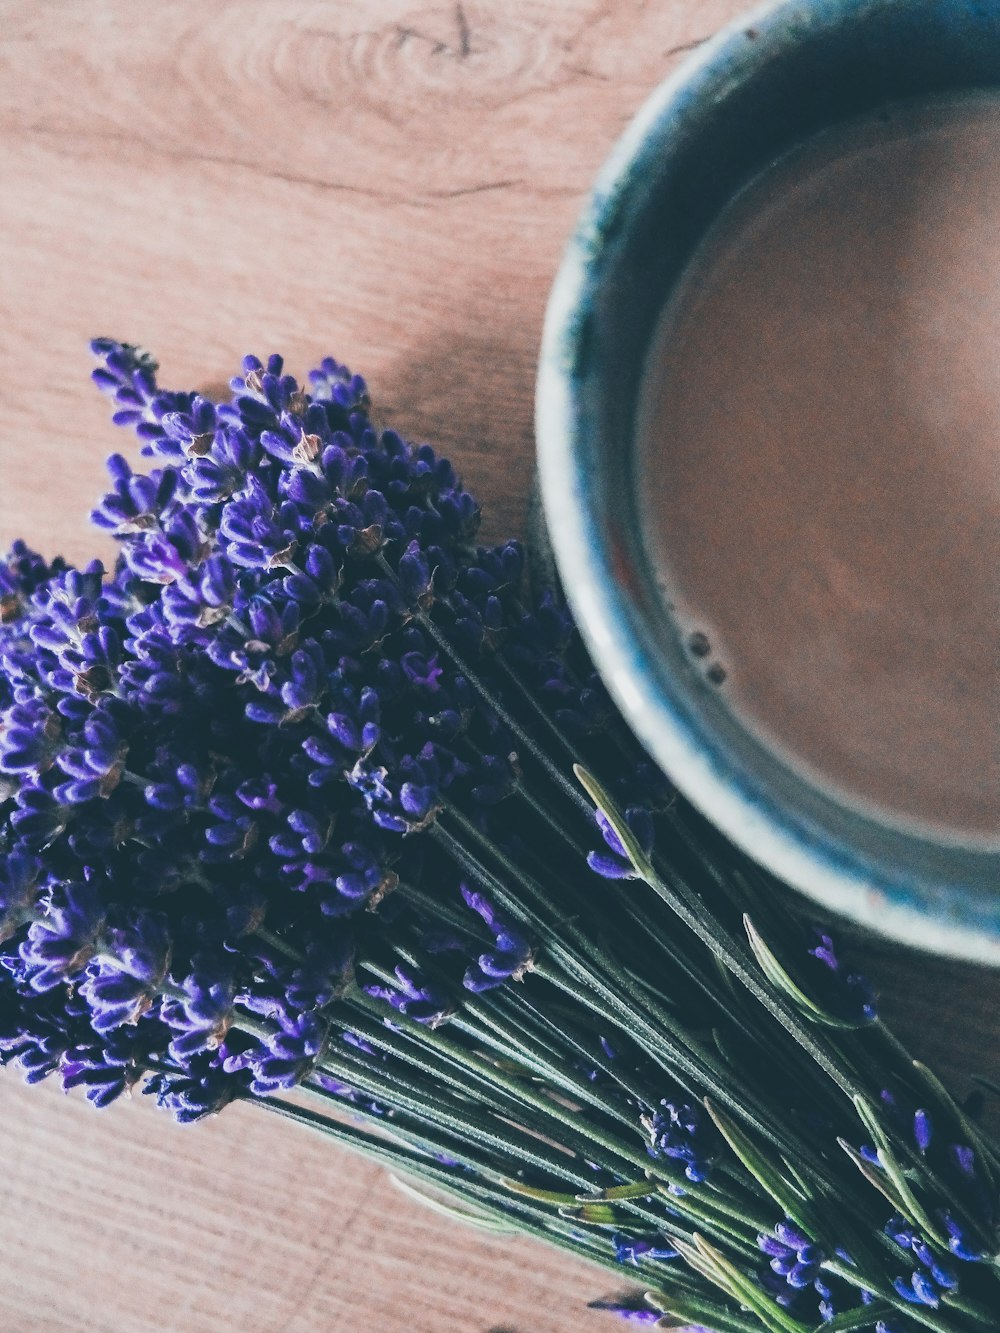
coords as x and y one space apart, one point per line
763 84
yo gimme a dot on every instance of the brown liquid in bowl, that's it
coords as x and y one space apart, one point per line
819 463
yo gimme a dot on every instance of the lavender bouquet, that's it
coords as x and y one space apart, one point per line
307 803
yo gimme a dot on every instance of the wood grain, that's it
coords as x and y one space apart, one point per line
391 183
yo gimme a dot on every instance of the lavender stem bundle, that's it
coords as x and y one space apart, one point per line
306 803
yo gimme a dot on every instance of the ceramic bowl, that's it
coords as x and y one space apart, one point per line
762 85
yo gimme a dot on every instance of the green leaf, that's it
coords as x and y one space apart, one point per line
681 1312
781 981
638 1191
726 977
541 1196
746 1291
911 1207
873 1175
696 1261
480 1220
864 1316
785 1191
955 1300
805 1188
633 849
592 1214
724 1048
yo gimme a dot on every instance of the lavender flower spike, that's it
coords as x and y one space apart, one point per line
618 865
512 956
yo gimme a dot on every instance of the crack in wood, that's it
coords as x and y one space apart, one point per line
439 47
687 46
211 159
464 37
474 189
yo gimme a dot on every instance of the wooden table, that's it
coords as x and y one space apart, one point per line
391 183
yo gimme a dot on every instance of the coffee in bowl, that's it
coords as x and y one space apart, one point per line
818 462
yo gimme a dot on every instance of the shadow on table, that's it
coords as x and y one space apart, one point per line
470 394
945 1011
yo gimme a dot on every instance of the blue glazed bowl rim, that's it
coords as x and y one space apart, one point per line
904 906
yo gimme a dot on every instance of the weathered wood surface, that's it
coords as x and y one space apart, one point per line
391 183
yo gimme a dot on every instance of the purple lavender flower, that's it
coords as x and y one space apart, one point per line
679 1131
630 1249
931 1278
960 1241
634 1310
321 976
847 993
257 531
194 429
22 572
247 591
201 1087
135 501
198 599
36 1029
93 759
199 1012
218 755
124 981
232 832
221 472
114 1063
923 1129
618 865
795 1277
407 800
353 732
793 1256
284 1058
60 944
509 960
128 375
31 740
417 999
76 652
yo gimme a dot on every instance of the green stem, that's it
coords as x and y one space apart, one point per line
529 1015
493 701
688 1062
683 902
541 1059
269 937
440 1109
426 1036
506 1208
